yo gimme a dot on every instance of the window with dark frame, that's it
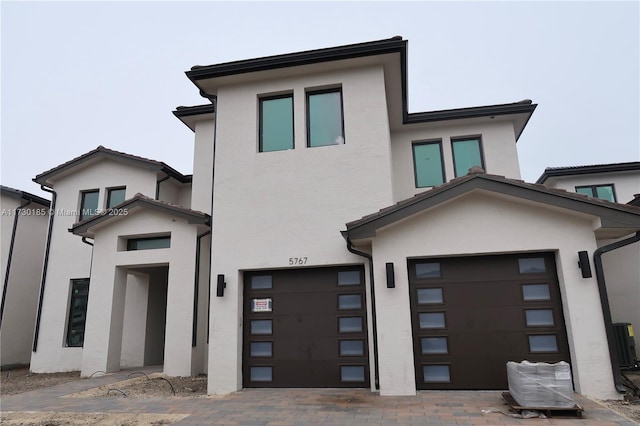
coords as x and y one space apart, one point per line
603 192
77 312
276 123
325 120
428 166
148 243
467 153
88 204
115 196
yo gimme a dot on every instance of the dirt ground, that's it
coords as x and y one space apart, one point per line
139 385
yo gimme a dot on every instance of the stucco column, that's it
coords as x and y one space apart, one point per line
180 294
135 319
105 314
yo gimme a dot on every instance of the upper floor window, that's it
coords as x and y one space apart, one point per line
115 196
605 192
276 123
467 153
88 204
427 163
325 124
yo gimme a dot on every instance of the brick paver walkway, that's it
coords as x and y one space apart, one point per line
305 407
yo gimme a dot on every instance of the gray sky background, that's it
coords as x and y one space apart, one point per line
81 74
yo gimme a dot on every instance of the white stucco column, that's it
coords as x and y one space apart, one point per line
105 314
135 320
180 294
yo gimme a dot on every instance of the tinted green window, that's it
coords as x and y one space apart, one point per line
586 190
115 196
77 312
466 154
276 123
324 116
89 205
149 243
605 192
427 164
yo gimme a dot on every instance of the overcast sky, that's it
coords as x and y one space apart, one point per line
81 74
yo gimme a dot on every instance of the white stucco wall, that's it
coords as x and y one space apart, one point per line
135 320
105 312
202 186
21 300
476 224
69 258
626 183
498 146
273 206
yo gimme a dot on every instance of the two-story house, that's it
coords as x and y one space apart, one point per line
352 243
24 227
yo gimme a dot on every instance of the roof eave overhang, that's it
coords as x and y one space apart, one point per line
193 114
87 227
611 217
583 170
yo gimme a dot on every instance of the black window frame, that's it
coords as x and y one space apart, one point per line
594 190
132 241
72 313
83 194
313 92
109 193
464 139
415 165
261 100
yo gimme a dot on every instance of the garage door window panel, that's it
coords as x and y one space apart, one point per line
430 296
428 270
349 278
432 320
349 301
539 317
352 373
261 326
351 347
434 345
261 282
261 374
535 292
532 265
543 343
350 325
436 373
262 349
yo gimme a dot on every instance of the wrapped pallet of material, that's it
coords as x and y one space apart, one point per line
539 384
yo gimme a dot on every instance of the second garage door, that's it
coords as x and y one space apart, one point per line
305 328
471 315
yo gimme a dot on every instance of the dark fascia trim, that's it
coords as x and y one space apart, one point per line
188 111
522 107
18 194
589 169
612 215
378 47
193 217
122 157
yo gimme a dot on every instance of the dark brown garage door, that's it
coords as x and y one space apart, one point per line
471 315
305 328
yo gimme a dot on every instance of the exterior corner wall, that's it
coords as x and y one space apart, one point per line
200 351
134 325
23 281
202 187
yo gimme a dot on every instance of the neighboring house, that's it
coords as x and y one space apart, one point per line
125 298
24 232
352 244
618 182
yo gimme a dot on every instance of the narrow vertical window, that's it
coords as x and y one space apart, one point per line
88 204
324 118
427 164
77 312
466 154
276 123
115 196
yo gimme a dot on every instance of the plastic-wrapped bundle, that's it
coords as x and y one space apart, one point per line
539 384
